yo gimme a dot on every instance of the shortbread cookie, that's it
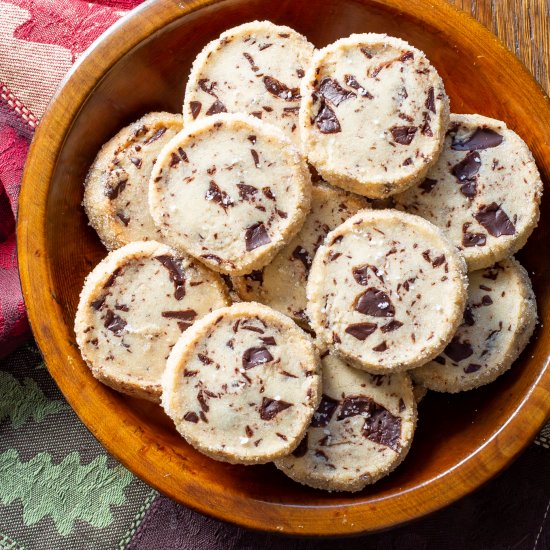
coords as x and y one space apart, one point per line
282 284
134 306
242 384
231 191
115 194
373 115
484 192
361 431
419 392
255 68
386 291
499 319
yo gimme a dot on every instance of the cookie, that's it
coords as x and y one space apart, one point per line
484 192
242 384
386 291
361 431
255 68
373 115
499 319
134 306
231 191
115 194
282 284
419 392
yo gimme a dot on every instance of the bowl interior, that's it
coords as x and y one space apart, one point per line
152 77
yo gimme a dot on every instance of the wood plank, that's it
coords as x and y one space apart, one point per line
523 25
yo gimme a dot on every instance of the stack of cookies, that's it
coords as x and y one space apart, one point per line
304 252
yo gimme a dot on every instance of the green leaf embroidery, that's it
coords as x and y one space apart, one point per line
19 401
65 491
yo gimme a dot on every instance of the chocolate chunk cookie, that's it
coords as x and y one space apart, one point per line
361 431
386 291
373 115
484 192
231 191
255 68
134 306
282 283
498 321
115 194
242 384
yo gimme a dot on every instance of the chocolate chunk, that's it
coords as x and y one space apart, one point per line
374 302
468 167
264 46
216 107
472 367
255 157
191 417
204 359
469 317
252 139
208 88
332 91
457 350
324 412
406 55
469 189
190 373
97 304
440 360
250 59
176 273
472 239
427 185
354 405
495 220
278 89
113 322
202 401
366 53
257 275
391 326
383 427
195 108
112 278
381 347
482 138
268 193
268 340
113 189
300 73
430 100
123 218
300 253
218 196
253 357
326 120
486 300
270 408
361 274
246 191
301 449
403 134
183 315
252 328
136 162
351 81
255 236
159 133
361 330
212 257
321 454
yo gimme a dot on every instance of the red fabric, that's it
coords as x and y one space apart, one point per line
47 34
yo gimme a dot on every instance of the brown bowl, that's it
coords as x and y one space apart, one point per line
141 65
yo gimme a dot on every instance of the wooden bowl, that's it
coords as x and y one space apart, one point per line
141 65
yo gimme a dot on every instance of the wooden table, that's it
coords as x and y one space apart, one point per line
523 25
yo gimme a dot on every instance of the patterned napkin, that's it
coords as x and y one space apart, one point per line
58 487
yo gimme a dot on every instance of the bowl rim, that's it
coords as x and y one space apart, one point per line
504 445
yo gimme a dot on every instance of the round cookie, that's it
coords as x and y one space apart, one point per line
133 308
242 384
115 193
386 291
255 68
373 115
231 191
484 191
282 283
419 392
499 319
361 431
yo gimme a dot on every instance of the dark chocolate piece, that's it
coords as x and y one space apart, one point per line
482 138
300 253
324 412
253 357
391 326
278 89
403 134
195 108
191 417
332 91
246 191
430 100
270 408
427 185
216 107
374 302
301 449
215 194
184 315
176 273
255 236
361 330
114 323
457 350
326 120
495 220
468 167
